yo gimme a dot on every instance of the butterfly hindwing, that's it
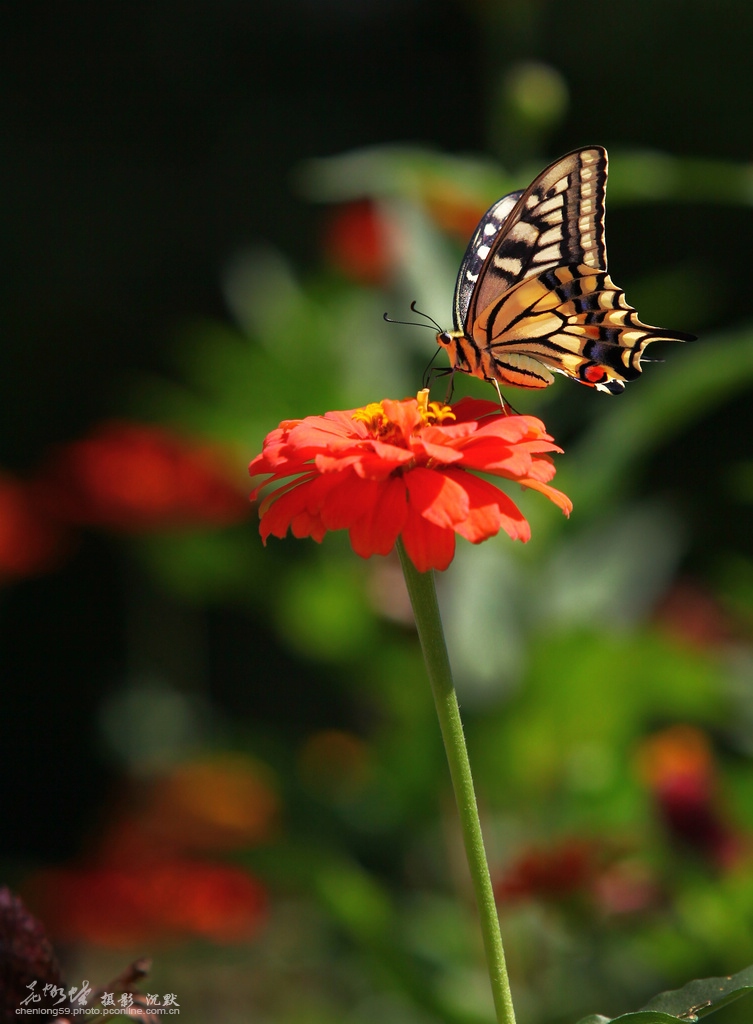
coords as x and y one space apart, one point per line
573 320
533 294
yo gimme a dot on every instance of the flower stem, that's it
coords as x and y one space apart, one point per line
423 597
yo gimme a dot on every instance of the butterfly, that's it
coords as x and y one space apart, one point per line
533 294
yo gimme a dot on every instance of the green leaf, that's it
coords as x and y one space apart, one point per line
704 995
641 1017
695 1000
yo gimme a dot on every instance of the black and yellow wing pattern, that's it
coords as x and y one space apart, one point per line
533 294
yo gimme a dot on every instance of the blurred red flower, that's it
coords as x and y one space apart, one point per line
678 767
30 542
549 874
693 616
356 242
164 901
583 870
403 469
135 477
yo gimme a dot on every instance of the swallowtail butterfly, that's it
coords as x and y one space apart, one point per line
533 293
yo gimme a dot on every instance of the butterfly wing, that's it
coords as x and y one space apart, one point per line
533 294
558 220
489 228
573 320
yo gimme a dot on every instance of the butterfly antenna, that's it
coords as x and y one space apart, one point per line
420 312
408 323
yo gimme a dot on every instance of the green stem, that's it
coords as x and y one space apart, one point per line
423 597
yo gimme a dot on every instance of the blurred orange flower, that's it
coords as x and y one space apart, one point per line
216 804
455 211
335 764
135 477
404 469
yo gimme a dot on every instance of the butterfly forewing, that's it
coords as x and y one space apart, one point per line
558 220
479 247
533 294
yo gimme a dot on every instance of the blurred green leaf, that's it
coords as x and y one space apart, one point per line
641 1017
703 996
637 177
690 1003
324 613
205 565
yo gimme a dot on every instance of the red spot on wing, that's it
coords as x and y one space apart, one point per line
595 374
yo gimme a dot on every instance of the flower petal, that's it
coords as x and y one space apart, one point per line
438 497
377 530
404 468
428 546
404 415
490 510
348 499
558 497
298 505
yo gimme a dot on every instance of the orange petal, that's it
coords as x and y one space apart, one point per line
428 546
438 497
378 528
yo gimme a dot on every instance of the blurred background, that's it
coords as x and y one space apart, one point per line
226 756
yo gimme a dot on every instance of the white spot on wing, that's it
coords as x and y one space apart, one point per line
523 232
509 265
548 255
550 237
555 203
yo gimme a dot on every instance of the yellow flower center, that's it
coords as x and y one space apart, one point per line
374 417
432 412
378 423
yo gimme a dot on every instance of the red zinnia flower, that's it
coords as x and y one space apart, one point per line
357 242
137 477
401 469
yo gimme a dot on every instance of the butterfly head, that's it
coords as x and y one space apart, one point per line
456 352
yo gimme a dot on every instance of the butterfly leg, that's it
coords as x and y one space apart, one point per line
506 407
